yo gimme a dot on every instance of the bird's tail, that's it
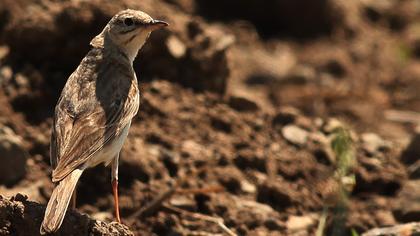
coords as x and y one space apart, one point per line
59 201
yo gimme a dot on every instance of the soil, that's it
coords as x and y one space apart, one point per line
219 89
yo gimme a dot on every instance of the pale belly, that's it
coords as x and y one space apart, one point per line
110 151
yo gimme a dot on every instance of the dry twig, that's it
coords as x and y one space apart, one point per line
216 220
154 206
403 116
209 189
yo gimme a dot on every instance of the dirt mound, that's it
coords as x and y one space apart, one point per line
22 217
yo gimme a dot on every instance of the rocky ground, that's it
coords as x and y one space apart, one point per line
239 101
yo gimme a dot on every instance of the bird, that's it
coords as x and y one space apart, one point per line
94 111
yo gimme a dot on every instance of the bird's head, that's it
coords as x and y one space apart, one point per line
128 30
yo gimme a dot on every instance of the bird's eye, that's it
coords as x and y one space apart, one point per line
128 21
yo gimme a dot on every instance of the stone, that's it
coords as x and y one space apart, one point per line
331 125
248 187
295 134
299 223
373 144
3 52
13 157
21 80
6 75
175 46
191 148
183 202
407 206
102 216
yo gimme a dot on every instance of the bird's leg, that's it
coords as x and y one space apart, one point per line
114 179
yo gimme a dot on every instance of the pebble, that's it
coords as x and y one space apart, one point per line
331 125
298 223
176 47
373 143
295 134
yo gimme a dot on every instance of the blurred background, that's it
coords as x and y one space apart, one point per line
242 108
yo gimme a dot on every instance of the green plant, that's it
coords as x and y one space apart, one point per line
344 179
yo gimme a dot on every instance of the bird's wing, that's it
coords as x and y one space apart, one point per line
89 115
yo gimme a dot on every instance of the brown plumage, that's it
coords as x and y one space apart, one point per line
94 112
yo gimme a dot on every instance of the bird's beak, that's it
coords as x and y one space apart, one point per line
157 24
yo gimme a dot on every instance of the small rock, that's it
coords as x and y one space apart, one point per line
191 148
331 125
175 46
102 216
4 51
407 205
13 157
295 134
6 74
372 143
242 104
257 176
247 187
21 80
298 223
183 202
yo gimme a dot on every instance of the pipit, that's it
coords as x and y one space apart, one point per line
94 112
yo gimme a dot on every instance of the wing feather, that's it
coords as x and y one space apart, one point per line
94 107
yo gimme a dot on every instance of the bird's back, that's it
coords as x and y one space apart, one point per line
99 99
